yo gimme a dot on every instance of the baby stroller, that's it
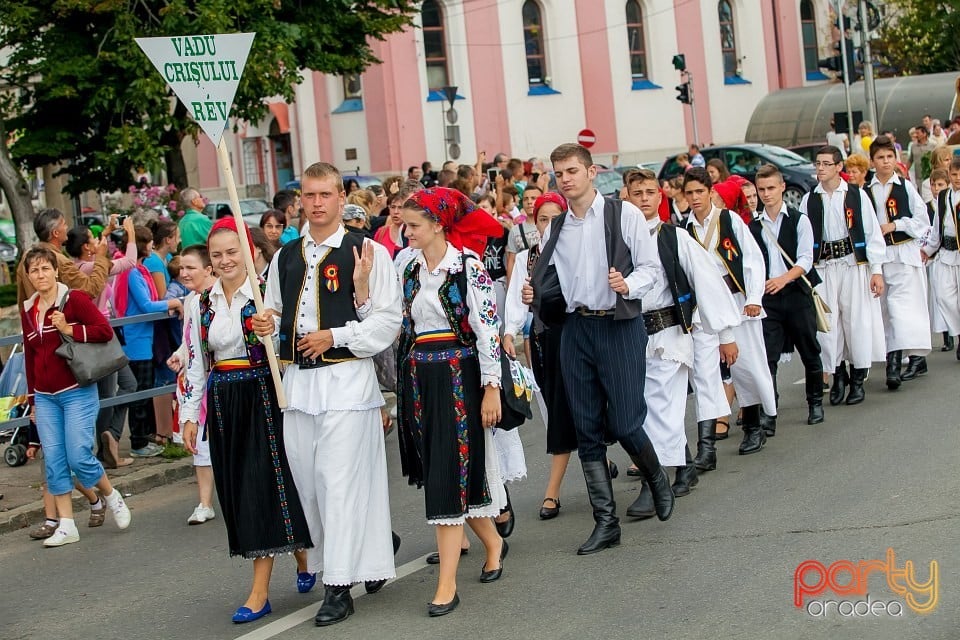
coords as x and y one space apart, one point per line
13 405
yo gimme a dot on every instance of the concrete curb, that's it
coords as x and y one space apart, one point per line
156 475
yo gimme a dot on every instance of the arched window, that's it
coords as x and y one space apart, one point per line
635 40
434 44
728 39
533 43
808 28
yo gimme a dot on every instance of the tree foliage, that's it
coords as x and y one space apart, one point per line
919 36
85 95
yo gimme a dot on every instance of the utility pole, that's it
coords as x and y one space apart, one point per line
685 92
870 89
846 70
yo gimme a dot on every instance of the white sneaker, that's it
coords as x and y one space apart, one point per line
119 509
201 514
61 537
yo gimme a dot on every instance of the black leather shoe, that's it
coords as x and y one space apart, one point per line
494 575
506 528
686 478
917 366
706 459
337 606
839 388
815 413
768 424
437 610
373 586
947 342
753 436
894 360
857 394
434 558
396 542
606 529
548 513
642 507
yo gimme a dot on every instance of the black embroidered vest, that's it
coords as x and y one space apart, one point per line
854 217
256 352
942 202
677 281
333 283
787 238
728 248
897 206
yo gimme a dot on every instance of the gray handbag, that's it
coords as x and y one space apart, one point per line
90 361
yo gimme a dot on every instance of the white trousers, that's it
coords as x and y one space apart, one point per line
937 323
947 283
705 376
906 322
339 465
666 396
750 373
846 290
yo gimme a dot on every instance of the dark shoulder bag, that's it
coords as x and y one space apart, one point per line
90 361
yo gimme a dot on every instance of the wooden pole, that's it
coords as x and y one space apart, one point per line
224 157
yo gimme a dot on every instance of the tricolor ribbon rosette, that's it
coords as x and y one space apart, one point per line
330 273
727 246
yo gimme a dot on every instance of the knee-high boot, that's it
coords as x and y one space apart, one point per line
706 459
814 397
753 435
656 480
606 530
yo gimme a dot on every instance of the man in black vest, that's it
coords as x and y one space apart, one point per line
787 298
689 291
848 252
598 260
905 224
945 274
336 297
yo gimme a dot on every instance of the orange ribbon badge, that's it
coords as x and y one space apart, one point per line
849 218
333 281
727 245
892 212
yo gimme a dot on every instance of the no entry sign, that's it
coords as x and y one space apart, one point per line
587 138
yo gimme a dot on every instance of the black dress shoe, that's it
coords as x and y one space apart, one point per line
686 478
548 513
494 575
917 366
373 586
337 606
437 610
434 558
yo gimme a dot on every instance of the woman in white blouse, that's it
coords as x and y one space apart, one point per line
449 377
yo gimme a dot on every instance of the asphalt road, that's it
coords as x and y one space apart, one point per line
873 477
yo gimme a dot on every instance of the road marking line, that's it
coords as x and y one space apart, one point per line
290 621
801 381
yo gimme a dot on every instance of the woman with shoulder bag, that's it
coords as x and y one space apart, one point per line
65 412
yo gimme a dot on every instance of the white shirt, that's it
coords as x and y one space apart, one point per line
754 270
949 258
581 257
778 265
350 385
917 226
515 312
838 140
835 224
427 313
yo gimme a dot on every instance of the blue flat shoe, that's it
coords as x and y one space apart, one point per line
244 614
305 581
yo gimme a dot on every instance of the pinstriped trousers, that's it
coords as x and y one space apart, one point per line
604 368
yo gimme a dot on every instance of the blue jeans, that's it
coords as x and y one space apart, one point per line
66 422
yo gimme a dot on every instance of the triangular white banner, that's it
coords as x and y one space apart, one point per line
204 71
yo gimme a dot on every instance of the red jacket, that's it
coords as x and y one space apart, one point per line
46 371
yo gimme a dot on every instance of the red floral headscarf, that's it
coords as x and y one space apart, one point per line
465 226
227 222
732 195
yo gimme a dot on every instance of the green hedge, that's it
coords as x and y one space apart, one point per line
8 295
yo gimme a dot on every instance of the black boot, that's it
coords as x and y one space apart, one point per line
606 530
839 388
753 435
686 477
917 366
814 383
642 508
947 342
856 395
706 459
894 361
337 606
768 424
656 479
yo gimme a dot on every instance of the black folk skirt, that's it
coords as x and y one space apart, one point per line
545 356
258 500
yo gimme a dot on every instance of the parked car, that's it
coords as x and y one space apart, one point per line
250 208
9 252
808 151
608 182
744 160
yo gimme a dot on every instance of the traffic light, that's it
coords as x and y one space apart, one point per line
683 93
680 62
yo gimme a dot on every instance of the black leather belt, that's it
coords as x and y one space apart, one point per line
836 249
659 319
595 313
306 363
949 243
731 285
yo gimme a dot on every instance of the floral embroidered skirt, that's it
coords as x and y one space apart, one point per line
443 445
258 500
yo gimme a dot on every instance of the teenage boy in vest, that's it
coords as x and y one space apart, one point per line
688 290
787 298
943 241
905 225
336 298
598 261
848 252
737 258
939 181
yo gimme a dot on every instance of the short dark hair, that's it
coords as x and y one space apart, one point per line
920 128
45 222
273 214
283 199
572 150
638 175
162 230
44 254
425 166
882 143
830 150
939 174
954 163
411 169
513 164
532 186
697 174
199 250
445 178
464 171
768 171
76 239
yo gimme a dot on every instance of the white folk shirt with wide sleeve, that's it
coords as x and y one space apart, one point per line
717 311
351 385
224 339
754 269
778 265
581 257
515 312
427 313
917 226
949 258
835 224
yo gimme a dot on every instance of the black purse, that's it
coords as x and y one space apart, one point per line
514 404
90 361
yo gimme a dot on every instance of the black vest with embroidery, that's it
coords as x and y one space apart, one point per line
942 202
333 283
854 217
728 248
256 352
788 239
683 295
897 205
